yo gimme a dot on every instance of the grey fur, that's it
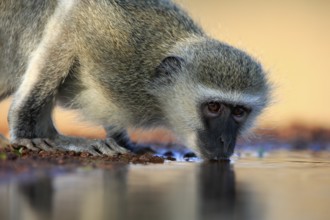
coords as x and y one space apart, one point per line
104 57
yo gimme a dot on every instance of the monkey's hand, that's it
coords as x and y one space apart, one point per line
122 138
63 143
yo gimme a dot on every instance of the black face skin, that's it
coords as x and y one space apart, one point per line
221 125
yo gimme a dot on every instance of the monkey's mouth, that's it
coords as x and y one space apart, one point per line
219 159
213 157
218 153
216 145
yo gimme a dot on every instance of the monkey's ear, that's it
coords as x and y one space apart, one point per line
169 66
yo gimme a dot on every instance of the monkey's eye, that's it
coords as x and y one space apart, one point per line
239 113
214 109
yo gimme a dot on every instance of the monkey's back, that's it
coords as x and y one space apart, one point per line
127 38
130 39
138 31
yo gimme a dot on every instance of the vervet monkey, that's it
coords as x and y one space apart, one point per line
124 63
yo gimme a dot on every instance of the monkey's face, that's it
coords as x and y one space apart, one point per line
221 125
210 96
209 120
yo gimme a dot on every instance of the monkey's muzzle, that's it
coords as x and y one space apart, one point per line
221 149
218 143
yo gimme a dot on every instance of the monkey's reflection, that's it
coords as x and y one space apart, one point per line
39 194
221 197
217 189
169 194
106 190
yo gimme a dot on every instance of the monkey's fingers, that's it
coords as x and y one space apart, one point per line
107 147
95 147
35 144
110 142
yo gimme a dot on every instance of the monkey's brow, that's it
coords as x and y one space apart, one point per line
228 103
232 97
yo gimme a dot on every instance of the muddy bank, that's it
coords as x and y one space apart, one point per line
18 160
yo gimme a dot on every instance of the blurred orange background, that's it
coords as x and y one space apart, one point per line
290 38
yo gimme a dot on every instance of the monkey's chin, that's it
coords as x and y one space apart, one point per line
214 156
219 159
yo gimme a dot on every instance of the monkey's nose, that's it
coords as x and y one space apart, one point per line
225 149
224 145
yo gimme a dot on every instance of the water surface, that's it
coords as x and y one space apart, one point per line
282 185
